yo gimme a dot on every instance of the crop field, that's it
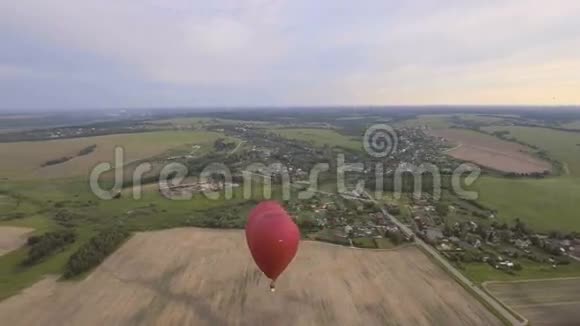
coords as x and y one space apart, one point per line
207 277
439 121
575 124
542 302
6 203
544 204
320 137
491 152
561 145
26 158
12 238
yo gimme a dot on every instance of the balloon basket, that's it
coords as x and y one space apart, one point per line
272 287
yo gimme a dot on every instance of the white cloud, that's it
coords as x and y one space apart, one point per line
303 52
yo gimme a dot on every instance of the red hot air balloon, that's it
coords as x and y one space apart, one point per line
272 237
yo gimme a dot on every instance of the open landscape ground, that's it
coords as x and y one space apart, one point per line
544 204
26 158
561 145
542 302
491 152
320 137
206 277
12 238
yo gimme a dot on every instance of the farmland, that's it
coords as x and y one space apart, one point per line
560 145
544 204
542 302
26 158
206 277
491 152
12 238
431 120
320 137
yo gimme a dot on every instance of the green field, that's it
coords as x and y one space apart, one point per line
28 200
26 158
481 272
320 137
434 121
41 202
560 145
544 204
571 125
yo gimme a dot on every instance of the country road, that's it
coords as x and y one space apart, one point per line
507 315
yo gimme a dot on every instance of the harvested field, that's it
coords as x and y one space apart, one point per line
26 159
12 238
542 302
193 276
491 152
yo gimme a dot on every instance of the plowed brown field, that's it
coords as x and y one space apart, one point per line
491 152
192 276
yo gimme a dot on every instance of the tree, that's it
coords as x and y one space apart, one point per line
505 235
447 230
396 237
520 227
442 209
95 251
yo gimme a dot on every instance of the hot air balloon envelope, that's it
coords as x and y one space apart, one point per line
272 237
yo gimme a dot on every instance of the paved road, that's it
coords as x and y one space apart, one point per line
452 270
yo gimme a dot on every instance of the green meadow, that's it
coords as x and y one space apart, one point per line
320 137
545 204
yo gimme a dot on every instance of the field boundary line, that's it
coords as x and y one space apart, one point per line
403 246
519 316
486 283
453 148
480 298
548 304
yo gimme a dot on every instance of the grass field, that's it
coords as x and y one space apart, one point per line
544 204
434 121
320 137
491 152
560 145
40 202
207 277
571 125
542 302
26 158
482 272
445 121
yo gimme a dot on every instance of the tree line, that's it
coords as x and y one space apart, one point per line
95 251
42 246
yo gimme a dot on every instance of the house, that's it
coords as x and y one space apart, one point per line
433 235
522 244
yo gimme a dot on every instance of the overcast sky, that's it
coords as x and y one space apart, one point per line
156 53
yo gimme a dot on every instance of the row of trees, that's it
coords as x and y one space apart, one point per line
47 244
85 151
95 251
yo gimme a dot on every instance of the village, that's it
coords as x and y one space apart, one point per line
462 231
465 232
